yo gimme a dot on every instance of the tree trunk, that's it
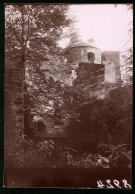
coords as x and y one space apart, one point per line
23 62
23 92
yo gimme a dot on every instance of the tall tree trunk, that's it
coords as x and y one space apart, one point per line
24 91
23 62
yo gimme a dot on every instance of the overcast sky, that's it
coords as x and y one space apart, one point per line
107 24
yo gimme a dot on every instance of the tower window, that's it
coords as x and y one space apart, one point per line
91 57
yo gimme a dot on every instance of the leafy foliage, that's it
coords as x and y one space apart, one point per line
25 23
32 33
127 52
48 153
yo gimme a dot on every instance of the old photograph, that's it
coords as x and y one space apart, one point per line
68 95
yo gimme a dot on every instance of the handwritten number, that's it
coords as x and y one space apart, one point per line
109 183
126 185
100 184
116 182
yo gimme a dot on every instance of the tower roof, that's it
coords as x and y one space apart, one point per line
80 44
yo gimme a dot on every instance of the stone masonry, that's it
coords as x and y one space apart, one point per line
13 98
111 59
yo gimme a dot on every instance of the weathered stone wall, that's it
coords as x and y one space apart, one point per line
79 54
93 128
90 80
13 109
97 53
13 97
107 119
112 66
90 105
118 114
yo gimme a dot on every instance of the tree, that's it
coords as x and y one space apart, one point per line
127 53
25 23
31 34
74 38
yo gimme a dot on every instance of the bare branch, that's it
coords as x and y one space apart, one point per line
28 30
14 32
22 37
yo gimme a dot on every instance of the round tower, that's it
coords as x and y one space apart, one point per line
83 53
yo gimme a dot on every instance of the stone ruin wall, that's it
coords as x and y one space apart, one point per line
97 53
90 83
79 54
105 111
111 59
90 80
13 105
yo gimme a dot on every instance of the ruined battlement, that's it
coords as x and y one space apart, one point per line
85 53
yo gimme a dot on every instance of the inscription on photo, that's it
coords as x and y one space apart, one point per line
113 184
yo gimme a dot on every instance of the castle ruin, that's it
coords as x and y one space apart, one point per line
85 53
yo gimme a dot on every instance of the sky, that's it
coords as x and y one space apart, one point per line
107 24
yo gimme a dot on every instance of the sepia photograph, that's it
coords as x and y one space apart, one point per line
68 95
